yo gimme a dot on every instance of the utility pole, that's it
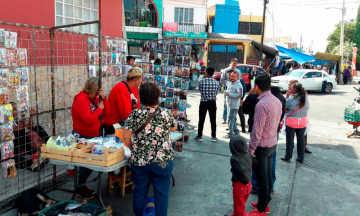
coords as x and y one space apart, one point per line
262 34
342 35
300 41
272 14
311 46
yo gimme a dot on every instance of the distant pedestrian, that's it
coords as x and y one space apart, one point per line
346 74
233 95
241 172
296 122
263 141
208 88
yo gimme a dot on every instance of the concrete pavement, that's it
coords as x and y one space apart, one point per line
326 184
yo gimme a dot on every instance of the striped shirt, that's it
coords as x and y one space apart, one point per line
208 88
266 121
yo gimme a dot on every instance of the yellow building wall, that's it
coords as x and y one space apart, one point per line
254 19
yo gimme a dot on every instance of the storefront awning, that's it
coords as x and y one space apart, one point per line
266 49
300 58
201 35
328 57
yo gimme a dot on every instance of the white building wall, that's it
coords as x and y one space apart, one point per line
199 7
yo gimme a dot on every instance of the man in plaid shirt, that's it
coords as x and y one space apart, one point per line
263 141
208 88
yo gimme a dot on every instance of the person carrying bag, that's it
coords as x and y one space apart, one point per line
296 122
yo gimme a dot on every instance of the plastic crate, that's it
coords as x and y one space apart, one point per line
43 212
352 115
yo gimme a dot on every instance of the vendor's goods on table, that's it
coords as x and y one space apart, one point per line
100 151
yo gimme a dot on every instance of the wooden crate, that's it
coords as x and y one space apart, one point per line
109 158
64 155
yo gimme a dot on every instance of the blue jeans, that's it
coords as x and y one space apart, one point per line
225 113
254 184
232 121
160 178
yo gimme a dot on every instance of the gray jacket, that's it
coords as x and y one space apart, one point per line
292 103
235 93
224 77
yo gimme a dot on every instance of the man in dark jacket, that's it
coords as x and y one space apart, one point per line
241 163
249 108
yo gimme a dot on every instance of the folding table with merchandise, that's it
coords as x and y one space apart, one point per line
100 169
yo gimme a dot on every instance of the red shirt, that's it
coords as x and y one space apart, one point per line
86 117
120 104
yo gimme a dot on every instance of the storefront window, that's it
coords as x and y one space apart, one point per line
140 13
77 11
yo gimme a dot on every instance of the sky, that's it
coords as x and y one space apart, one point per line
314 20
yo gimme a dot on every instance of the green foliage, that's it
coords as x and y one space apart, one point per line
334 38
357 31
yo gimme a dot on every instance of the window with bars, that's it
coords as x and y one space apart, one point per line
252 28
77 11
184 15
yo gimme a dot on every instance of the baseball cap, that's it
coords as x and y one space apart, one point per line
134 72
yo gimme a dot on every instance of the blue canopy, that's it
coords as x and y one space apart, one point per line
300 58
320 62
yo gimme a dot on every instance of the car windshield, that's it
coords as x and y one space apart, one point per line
244 69
296 73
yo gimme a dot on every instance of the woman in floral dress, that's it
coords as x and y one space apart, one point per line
152 154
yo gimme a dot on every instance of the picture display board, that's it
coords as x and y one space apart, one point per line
172 76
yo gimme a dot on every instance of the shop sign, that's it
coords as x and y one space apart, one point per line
202 35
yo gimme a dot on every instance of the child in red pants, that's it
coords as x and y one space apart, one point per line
241 164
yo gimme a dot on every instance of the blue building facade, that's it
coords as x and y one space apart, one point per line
227 16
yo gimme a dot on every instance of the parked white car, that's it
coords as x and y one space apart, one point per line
311 79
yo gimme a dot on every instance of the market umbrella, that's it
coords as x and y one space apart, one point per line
300 58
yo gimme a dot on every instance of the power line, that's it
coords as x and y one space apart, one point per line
272 17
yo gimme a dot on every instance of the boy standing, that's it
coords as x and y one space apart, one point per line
233 94
241 163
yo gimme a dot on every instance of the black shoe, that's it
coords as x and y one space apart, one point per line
307 151
84 193
300 161
243 131
285 159
227 129
199 139
89 190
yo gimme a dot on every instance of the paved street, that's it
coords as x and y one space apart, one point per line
326 184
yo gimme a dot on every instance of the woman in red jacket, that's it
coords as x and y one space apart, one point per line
86 112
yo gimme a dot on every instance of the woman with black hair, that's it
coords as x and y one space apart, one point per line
147 133
296 121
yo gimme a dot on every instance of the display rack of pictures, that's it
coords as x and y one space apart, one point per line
113 58
14 79
172 76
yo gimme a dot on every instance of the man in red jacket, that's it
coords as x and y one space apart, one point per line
123 99
86 112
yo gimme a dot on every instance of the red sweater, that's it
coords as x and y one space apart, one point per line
120 104
85 116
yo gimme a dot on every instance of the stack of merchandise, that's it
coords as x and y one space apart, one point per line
13 75
172 76
113 60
